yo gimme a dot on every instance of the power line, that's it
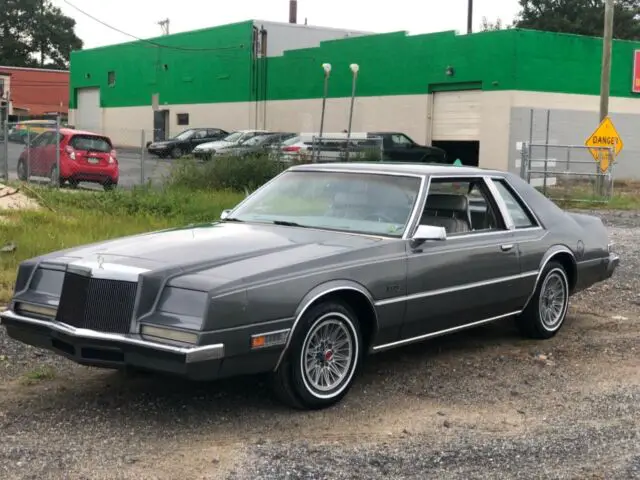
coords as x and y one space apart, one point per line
151 42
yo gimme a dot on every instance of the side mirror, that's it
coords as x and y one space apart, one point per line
428 232
225 214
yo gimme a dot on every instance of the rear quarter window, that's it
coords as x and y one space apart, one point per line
90 142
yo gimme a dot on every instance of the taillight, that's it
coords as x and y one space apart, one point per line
291 149
113 157
71 152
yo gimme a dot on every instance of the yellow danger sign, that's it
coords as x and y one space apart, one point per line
605 135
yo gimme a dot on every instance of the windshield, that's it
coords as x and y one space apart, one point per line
233 137
186 135
257 140
91 143
291 141
373 204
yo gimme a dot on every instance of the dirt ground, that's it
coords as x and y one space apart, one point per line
480 404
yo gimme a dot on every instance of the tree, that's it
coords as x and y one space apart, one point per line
35 33
583 17
487 26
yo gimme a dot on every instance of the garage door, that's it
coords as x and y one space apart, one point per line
456 115
88 115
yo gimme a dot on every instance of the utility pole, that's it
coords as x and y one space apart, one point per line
605 75
470 17
164 24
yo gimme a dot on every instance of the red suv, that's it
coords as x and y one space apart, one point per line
84 157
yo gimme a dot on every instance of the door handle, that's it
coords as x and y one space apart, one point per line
506 248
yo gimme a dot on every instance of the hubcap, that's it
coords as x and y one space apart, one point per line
327 354
553 297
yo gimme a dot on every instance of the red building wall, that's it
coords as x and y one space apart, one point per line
38 91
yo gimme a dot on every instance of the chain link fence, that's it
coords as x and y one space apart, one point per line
569 172
311 148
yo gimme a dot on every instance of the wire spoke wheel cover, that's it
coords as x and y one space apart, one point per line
552 303
329 355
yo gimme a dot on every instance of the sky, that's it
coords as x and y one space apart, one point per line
140 17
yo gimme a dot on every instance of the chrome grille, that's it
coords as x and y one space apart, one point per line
97 304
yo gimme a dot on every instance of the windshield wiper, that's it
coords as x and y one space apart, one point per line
284 223
233 219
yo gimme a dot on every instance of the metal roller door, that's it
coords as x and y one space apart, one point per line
88 114
456 116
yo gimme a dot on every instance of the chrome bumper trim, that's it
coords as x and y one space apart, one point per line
192 354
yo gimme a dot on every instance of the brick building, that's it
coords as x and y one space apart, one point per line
35 92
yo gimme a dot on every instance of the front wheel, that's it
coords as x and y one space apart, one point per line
176 153
324 356
547 310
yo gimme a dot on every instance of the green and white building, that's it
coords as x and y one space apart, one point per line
471 94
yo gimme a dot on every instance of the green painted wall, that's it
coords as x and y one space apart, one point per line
390 64
565 63
197 75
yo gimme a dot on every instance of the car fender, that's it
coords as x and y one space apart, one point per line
317 293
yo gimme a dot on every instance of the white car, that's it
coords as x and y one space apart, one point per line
207 150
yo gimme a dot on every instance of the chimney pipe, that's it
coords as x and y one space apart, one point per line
293 11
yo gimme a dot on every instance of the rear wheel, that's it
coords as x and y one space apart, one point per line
109 185
54 176
324 356
544 316
22 171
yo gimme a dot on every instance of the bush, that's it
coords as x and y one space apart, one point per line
225 173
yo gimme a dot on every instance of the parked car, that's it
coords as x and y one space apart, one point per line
260 144
396 147
185 142
321 266
23 132
207 150
399 147
84 157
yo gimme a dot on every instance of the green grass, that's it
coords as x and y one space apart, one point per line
39 374
84 217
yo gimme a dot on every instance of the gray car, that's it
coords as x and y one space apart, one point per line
321 266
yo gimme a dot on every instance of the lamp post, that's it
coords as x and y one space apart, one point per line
354 69
327 72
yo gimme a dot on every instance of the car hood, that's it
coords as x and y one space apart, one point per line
222 251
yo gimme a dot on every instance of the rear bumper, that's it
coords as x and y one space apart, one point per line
115 351
86 173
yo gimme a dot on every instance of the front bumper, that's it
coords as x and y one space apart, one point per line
203 154
612 263
106 350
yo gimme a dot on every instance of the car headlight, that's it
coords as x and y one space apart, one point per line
182 302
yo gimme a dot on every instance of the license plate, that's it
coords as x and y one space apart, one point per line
93 160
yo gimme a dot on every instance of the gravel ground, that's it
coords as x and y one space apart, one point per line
480 404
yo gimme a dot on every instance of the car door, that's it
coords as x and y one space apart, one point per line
198 138
37 154
402 149
472 276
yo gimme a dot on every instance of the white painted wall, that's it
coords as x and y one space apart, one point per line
406 113
287 36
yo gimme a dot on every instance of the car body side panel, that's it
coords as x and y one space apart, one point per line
378 272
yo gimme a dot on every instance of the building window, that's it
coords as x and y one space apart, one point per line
183 119
111 78
1 87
